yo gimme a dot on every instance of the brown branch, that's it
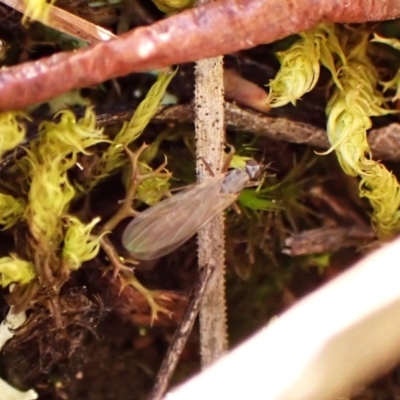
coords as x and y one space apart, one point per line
327 240
382 141
216 28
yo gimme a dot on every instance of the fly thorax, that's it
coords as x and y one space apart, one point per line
235 181
253 169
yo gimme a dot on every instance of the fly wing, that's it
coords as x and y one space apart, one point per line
164 227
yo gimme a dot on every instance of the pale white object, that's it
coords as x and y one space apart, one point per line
10 393
9 324
327 346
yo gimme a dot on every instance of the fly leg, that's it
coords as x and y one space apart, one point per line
225 165
228 158
206 166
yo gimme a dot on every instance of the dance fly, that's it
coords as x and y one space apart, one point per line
162 228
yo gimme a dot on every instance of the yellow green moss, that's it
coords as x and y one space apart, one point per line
38 10
300 65
79 244
12 134
349 110
11 210
15 270
171 6
114 157
59 242
355 98
12 130
152 190
50 156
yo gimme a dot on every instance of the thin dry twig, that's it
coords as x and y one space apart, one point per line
181 335
216 28
327 240
68 23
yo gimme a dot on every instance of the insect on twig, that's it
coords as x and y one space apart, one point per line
162 228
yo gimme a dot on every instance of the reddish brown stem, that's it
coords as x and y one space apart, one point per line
217 28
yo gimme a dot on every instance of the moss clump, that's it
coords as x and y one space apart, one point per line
42 193
300 65
355 98
37 10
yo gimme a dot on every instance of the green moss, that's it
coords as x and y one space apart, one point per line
171 6
256 201
50 157
11 210
15 270
79 244
152 190
300 65
355 98
114 157
349 110
12 130
37 10
42 192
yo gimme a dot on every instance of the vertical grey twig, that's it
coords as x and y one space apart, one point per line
210 139
181 335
